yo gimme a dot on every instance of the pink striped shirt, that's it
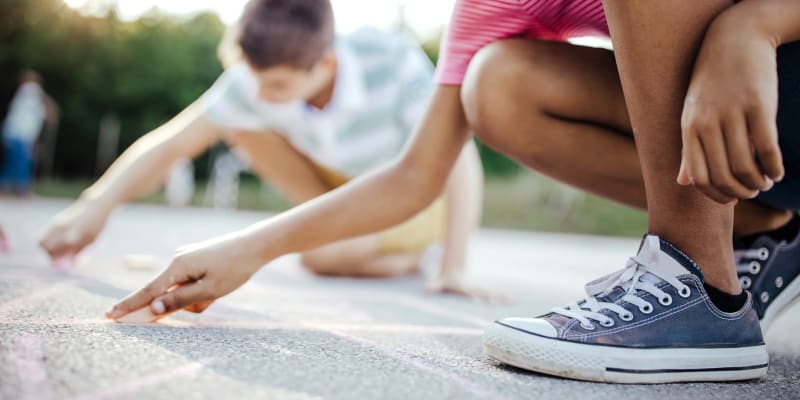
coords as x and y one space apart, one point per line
476 23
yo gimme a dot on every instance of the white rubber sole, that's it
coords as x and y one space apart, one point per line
783 302
622 365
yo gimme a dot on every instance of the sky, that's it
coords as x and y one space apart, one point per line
424 17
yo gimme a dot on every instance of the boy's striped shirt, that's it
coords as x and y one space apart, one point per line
381 91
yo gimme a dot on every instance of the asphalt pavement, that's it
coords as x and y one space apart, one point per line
287 334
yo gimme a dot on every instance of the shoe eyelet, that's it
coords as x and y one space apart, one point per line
628 317
779 282
607 323
645 309
763 254
745 281
685 292
764 297
755 267
589 327
666 300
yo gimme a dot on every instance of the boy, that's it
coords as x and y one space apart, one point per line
677 311
310 111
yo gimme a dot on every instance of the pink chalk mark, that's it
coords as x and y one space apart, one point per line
147 380
31 371
4 247
442 311
265 325
65 263
37 295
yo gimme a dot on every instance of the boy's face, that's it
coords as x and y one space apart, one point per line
283 84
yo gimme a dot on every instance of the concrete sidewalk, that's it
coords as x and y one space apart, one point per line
287 334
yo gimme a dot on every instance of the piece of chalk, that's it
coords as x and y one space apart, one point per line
141 261
141 316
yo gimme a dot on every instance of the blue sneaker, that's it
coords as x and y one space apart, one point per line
651 322
769 270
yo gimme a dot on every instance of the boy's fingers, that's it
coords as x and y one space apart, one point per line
764 133
740 154
144 296
188 295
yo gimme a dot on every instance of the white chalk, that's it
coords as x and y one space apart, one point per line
141 262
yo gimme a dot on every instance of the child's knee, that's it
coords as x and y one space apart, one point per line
490 90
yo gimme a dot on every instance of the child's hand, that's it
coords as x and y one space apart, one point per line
74 228
730 138
197 275
459 288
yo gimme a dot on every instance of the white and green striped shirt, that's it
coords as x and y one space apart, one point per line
382 88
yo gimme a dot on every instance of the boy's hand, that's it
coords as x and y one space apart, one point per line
730 137
197 275
74 228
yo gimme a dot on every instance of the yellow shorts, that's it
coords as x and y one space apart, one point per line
418 232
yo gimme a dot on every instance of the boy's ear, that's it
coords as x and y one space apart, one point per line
328 60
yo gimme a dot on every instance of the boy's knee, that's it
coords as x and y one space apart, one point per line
321 263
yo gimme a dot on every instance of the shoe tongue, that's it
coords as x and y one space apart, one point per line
658 254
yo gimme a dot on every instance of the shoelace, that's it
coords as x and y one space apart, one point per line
629 279
749 261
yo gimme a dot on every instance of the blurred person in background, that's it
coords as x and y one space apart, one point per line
31 108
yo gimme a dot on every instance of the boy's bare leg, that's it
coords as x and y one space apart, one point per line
276 161
655 45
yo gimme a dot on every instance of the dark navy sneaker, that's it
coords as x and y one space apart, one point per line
769 270
651 322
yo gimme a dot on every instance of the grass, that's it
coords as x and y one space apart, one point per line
524 201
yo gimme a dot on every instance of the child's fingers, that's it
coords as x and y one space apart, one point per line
719 168
698 170
740 154
171 276
188 295
764 133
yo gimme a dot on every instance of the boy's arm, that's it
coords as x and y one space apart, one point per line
730 136
370 203
139 170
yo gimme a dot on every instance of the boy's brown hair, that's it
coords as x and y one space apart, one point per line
295 33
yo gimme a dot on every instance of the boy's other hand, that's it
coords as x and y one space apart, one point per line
74 228
459 288
197 275
730 137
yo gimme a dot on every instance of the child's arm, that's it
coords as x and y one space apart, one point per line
370 203
729 115
138 171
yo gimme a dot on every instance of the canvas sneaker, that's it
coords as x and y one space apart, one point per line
769 270
651 322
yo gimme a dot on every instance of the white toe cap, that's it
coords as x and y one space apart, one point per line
536 326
